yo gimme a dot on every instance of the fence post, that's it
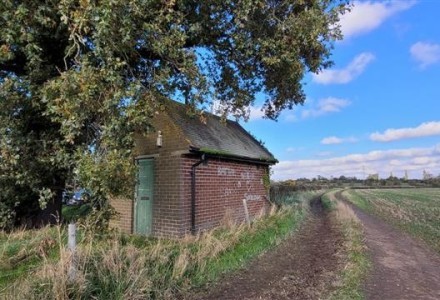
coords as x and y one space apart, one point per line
246 212
71 242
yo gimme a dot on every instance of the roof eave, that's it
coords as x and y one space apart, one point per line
230 156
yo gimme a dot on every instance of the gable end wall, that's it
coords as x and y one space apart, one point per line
221 187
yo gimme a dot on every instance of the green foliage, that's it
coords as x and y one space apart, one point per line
97 220
75 212
327 202
7 216
266 179
285 194
78 78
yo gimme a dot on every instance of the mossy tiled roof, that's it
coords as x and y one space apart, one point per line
216 136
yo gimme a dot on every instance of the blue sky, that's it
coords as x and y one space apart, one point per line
376 110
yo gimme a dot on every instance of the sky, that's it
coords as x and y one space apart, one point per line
377 110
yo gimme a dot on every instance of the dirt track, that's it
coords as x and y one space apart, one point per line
305 265
302 267
403 268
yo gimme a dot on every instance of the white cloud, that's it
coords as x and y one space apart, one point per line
413 160
325 106
368 15
316 109
425 53
425 129
355 68
332 140
255 113
423 161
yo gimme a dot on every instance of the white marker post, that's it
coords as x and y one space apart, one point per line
71 243
246 212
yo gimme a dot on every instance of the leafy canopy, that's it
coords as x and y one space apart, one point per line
78 77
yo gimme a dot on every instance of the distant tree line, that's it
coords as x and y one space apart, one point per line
320 182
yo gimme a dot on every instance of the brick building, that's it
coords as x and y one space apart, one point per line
192 173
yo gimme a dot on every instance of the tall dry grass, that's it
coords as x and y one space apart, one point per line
118 268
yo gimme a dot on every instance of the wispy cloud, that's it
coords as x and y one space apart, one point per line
325 106
413 160
332 140
315 109
368 15
425 53
339 76
294 149
425 129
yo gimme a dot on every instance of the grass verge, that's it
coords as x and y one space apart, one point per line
355 258
251 244
23 250
130 267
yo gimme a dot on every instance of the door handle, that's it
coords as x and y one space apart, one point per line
145 198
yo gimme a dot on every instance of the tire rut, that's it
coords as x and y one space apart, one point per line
301 267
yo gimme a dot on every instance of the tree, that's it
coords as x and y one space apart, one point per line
79 77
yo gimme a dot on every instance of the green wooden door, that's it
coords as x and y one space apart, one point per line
144 197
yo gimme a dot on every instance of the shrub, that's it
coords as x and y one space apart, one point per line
7 217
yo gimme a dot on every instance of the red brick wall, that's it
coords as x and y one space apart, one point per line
167 206
123 221
221 187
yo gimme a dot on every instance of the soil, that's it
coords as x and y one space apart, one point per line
304 266
402 267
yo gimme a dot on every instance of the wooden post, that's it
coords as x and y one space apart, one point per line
246 212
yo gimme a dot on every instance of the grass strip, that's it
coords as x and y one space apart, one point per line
356 261
265 235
